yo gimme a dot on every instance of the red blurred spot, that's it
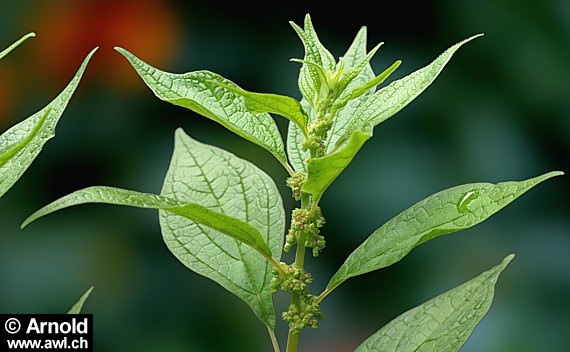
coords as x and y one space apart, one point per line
68 30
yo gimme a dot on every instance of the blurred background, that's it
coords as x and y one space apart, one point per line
500 111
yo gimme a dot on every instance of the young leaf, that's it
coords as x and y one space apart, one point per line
443 323
227 184
445 212
16 44
353 57
386 102
324 170
259 103
22 143
206 93
78 306
225 224
310 79
375 81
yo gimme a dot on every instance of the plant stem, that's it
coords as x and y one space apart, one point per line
293 338
274 341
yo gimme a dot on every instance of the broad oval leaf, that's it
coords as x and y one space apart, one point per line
443 323
22 143
445 212
223 223
206 93
9 49
324 170
389 100
226 184
78 306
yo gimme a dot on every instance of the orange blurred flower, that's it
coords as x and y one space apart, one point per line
67 30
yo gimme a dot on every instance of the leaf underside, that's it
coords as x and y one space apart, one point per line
228 225
445 212
206 93
22 143
372 107
352 58
16 44
225 183
78 306
443 323
240 216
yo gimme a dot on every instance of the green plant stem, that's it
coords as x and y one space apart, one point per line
274 341
293 338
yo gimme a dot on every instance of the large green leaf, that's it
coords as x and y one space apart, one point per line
16 44
353 57
227 184
22 143
206 93
387 101
240 212
443 213
223 223
324 170
441 324
78 306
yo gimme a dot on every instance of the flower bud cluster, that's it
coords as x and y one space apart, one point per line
317 132
308 223
309 315
313 238
295 280
295 182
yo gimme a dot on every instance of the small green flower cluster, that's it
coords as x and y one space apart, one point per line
317 134
308 223
310 314
295 182
295 280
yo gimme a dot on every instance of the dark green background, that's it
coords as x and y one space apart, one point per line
500 111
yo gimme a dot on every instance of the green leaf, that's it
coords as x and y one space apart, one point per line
225 224
22 143
206 93
227 184
16 44
259 103
443 323
240 216
295 138
375 81
389 100
310 79
78 306
324 170
354 56
445 212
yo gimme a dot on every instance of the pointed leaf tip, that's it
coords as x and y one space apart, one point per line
443 323
22 143
509 258
78 306
195 91
443 213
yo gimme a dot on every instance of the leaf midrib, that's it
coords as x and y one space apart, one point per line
208 183
346 277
